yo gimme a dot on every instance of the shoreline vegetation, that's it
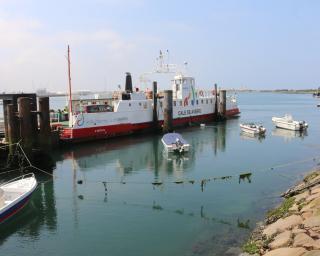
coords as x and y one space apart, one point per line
293 228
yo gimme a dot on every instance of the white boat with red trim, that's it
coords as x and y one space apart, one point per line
132 110
252 128
15 194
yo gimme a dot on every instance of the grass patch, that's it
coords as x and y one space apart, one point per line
282 209
250 247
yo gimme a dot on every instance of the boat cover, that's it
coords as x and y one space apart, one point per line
171 138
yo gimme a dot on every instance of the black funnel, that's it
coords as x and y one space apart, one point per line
128 87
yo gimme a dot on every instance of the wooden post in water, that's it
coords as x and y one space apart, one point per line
26 132
5 118
12 126
155 101
167 111
44 121
216 100
223 102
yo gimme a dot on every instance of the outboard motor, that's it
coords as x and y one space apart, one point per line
128 86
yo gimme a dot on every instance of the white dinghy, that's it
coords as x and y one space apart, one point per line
288 123
174 142
252 128
15 194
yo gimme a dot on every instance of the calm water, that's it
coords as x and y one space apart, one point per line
136 218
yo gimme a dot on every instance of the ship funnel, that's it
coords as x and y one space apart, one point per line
128 87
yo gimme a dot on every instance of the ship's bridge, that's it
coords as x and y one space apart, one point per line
183 86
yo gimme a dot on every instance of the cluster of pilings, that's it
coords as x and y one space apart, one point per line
219 112
24 123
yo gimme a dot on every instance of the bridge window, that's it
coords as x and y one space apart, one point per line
201 101
139 103
197 102
129 104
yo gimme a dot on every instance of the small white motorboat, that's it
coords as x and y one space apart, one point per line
15 194
288 123
174 142
252 128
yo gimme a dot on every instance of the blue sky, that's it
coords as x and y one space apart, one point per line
256 44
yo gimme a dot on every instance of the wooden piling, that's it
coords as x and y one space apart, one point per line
155 101
216 99
12 126
222 103
5 118
44 123
167 111
26 125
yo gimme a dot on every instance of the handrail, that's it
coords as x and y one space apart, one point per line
18 178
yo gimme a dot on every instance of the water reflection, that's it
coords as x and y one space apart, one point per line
288 135
255 137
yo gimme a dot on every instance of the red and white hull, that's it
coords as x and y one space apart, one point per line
87 132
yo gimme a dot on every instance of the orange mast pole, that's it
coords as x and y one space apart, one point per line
69 77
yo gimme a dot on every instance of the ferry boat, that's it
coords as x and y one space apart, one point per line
288 123
15 194
130 111
252 128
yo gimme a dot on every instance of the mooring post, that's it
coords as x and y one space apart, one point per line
216 99
167 111
26 132
223 102
5 118
12 126
44 121
155 101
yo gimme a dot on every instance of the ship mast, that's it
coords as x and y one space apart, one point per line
69 78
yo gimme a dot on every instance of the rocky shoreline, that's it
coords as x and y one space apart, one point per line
292 229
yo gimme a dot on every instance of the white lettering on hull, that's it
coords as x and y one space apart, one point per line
189 112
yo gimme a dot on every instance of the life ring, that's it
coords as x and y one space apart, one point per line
201 93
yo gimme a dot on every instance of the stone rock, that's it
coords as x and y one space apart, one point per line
315 204
297 230
294 208
286 251
312 222
282 224
307 215
313 234
281 240
303 195
315 189
313 196
302 239
312 253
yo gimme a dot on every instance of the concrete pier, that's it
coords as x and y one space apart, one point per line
167 111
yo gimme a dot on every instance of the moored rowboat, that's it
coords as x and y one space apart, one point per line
15 194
